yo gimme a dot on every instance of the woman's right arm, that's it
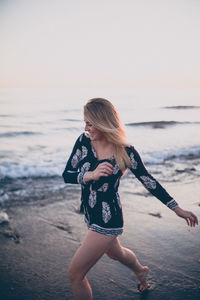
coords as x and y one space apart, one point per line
71 173
103 169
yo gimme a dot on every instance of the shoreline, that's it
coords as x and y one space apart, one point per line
41 237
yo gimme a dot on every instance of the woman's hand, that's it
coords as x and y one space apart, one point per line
190 218
103 169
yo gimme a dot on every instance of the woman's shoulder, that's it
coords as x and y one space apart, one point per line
129 148
83 139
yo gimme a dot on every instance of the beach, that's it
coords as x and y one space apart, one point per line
143 57
41 237
43 225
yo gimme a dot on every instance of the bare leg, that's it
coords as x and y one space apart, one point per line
92 248
129 259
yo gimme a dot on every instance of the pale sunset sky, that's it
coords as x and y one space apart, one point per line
100 43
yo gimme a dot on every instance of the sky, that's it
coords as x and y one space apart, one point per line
100 43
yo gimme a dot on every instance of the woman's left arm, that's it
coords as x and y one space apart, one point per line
190 218
155 188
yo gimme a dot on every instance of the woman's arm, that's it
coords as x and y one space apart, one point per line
103 169
71 173
190 218
154 187
149 182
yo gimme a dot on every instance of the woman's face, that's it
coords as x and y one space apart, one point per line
94 133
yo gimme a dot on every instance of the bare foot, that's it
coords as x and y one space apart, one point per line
142 276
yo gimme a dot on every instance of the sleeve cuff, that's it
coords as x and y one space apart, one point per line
80 178
172 204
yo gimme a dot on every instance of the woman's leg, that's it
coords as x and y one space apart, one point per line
128 258
93 247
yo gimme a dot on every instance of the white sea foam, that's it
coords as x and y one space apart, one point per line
58 124
55 167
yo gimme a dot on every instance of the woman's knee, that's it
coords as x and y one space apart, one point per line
71 274
74 275
111 255
115 254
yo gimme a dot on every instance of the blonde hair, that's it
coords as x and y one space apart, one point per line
102 114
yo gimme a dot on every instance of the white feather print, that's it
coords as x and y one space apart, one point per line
92 198
133 161
106 213
148 182
84 152
85 167
76 158
103 188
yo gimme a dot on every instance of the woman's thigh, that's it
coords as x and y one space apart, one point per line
93 247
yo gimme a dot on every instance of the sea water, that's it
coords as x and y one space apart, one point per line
38 128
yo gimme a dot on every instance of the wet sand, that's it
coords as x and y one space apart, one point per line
41 238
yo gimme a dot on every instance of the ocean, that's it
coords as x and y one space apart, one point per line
38 128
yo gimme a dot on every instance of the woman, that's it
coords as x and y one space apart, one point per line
99 158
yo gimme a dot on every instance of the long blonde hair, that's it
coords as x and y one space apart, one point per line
102 114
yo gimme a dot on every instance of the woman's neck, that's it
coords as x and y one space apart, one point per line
100 143
103 148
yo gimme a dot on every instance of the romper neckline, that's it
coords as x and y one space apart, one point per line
95 154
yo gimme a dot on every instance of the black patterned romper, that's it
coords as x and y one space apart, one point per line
100 199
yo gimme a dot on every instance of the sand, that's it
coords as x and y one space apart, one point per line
39 240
